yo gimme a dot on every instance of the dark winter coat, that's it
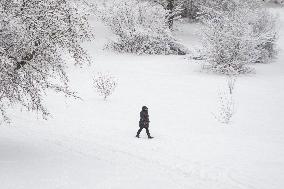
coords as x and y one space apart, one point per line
144 119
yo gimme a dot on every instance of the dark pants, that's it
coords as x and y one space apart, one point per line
147 131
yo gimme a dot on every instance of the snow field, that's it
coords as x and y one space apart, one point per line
91 143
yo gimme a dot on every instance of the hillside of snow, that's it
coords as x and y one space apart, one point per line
91 143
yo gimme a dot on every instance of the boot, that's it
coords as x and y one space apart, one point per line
150 137
137 136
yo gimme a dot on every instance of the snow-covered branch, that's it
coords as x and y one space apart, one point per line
33 35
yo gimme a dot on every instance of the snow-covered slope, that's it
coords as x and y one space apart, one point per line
90 143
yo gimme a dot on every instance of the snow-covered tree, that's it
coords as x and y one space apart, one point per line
33 36
237 33
264 30
190 9
280 2
174 9
140 28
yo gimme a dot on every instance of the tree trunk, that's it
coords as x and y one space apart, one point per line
170 8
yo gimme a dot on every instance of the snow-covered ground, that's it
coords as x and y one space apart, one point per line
91 143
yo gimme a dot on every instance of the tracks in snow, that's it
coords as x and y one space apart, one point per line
180 170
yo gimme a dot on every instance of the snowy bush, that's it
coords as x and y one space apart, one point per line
264 30
33 35
140 28
235 34
105 84
226 106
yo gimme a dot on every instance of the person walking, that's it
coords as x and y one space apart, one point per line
144 122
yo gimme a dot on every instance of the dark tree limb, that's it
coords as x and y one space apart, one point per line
170 8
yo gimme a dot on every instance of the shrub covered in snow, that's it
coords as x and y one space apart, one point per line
140 27
237 33
105 84
264 30
226 105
